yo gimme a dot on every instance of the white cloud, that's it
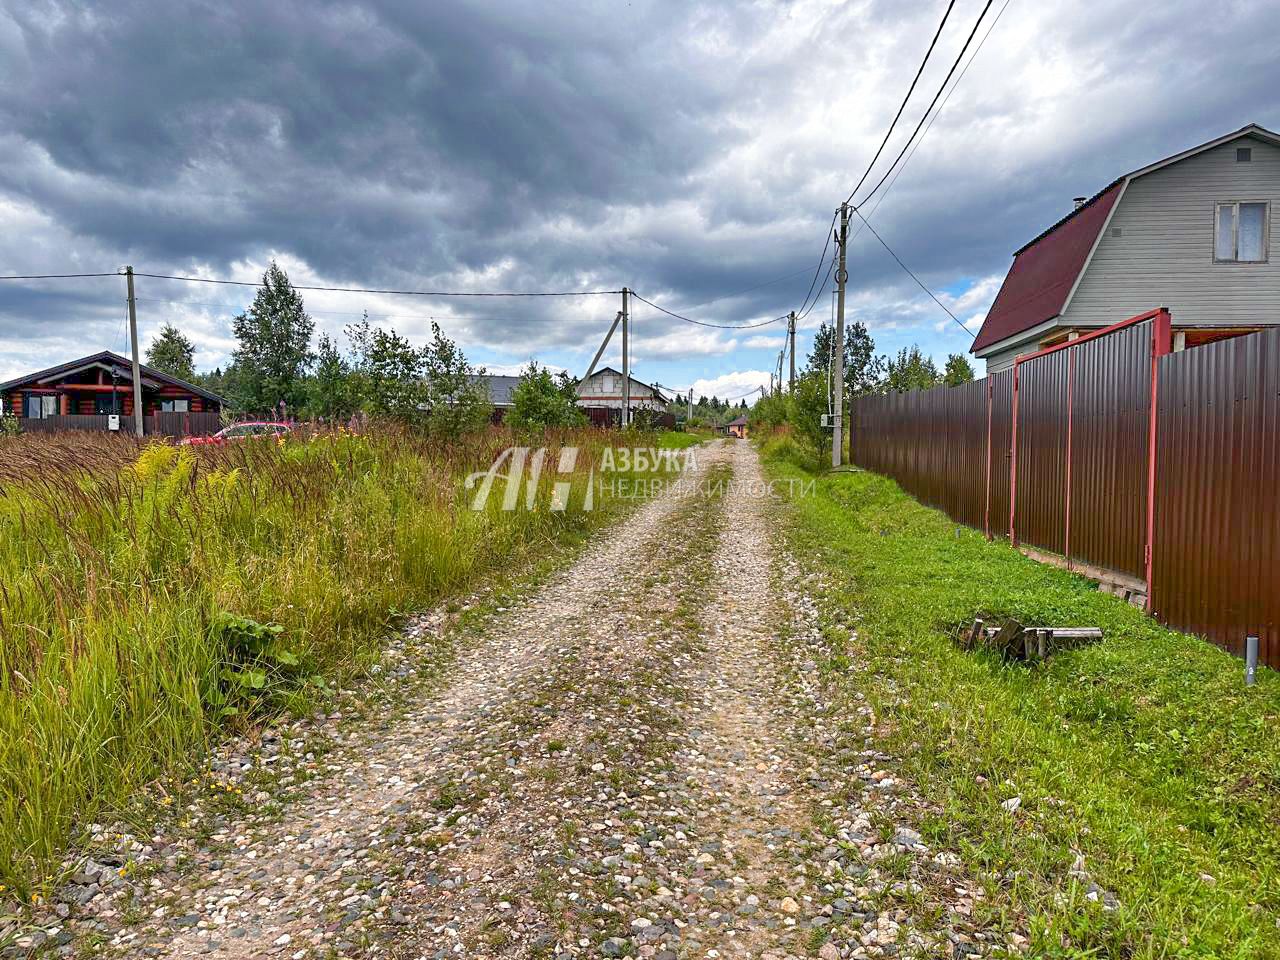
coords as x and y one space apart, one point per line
760 342
731 384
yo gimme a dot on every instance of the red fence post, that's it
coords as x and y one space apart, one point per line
1066 513
1013 461
1161 344
986 512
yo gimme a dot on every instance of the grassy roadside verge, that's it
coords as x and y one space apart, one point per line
151 597
1141 766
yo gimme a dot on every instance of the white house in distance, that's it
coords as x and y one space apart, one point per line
1191 233
603 391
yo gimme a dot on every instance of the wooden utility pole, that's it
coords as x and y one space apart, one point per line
133 340
599 353
791 333
842 276
626 357
690 404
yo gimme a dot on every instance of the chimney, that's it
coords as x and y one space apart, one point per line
1079 201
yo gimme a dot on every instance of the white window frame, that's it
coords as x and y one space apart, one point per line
171 406
1235 230
48 406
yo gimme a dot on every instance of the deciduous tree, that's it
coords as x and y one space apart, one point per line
958 370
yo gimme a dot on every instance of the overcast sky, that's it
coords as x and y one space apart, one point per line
687 150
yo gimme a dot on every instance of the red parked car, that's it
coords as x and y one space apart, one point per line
242 431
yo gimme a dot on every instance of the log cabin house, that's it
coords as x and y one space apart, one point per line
98 386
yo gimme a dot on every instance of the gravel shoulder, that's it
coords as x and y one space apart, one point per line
638 759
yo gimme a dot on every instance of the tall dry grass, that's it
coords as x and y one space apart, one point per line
117 559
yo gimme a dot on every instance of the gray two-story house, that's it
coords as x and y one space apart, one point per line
1191 233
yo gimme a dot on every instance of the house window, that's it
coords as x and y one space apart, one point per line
39 406
1244 154
174 406
1240 232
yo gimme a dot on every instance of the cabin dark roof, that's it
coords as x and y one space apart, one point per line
737 422
111 360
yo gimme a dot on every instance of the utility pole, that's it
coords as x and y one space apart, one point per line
599 353
133 340
626 357
791 332
690 420
842 277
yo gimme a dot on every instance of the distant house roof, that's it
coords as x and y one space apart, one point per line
657 391
737 422
500 388
1045 269
108 361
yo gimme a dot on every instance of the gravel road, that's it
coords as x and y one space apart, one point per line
637 758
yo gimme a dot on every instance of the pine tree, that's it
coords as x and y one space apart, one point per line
172 353
274 351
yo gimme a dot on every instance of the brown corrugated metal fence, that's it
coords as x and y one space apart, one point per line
1057 454
1216 568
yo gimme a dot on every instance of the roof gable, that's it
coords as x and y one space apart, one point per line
1043 273
657 393
1045 270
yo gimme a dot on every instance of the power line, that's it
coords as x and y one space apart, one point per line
830 268
942 106
918 281
703 323
902 106
947 79
353 313
823 257
741 395
62 276
395 293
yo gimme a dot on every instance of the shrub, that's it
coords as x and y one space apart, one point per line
542 400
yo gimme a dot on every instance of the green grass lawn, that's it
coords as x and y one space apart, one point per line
678 440
1144 754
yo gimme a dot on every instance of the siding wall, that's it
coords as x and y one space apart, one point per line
1164 254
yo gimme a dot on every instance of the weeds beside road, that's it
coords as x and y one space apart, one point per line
1125 796
150 595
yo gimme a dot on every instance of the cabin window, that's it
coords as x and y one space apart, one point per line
1240 232
175 406
39 406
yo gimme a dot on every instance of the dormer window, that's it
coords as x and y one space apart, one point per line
1240 232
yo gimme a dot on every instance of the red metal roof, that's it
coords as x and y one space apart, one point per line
1043 272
